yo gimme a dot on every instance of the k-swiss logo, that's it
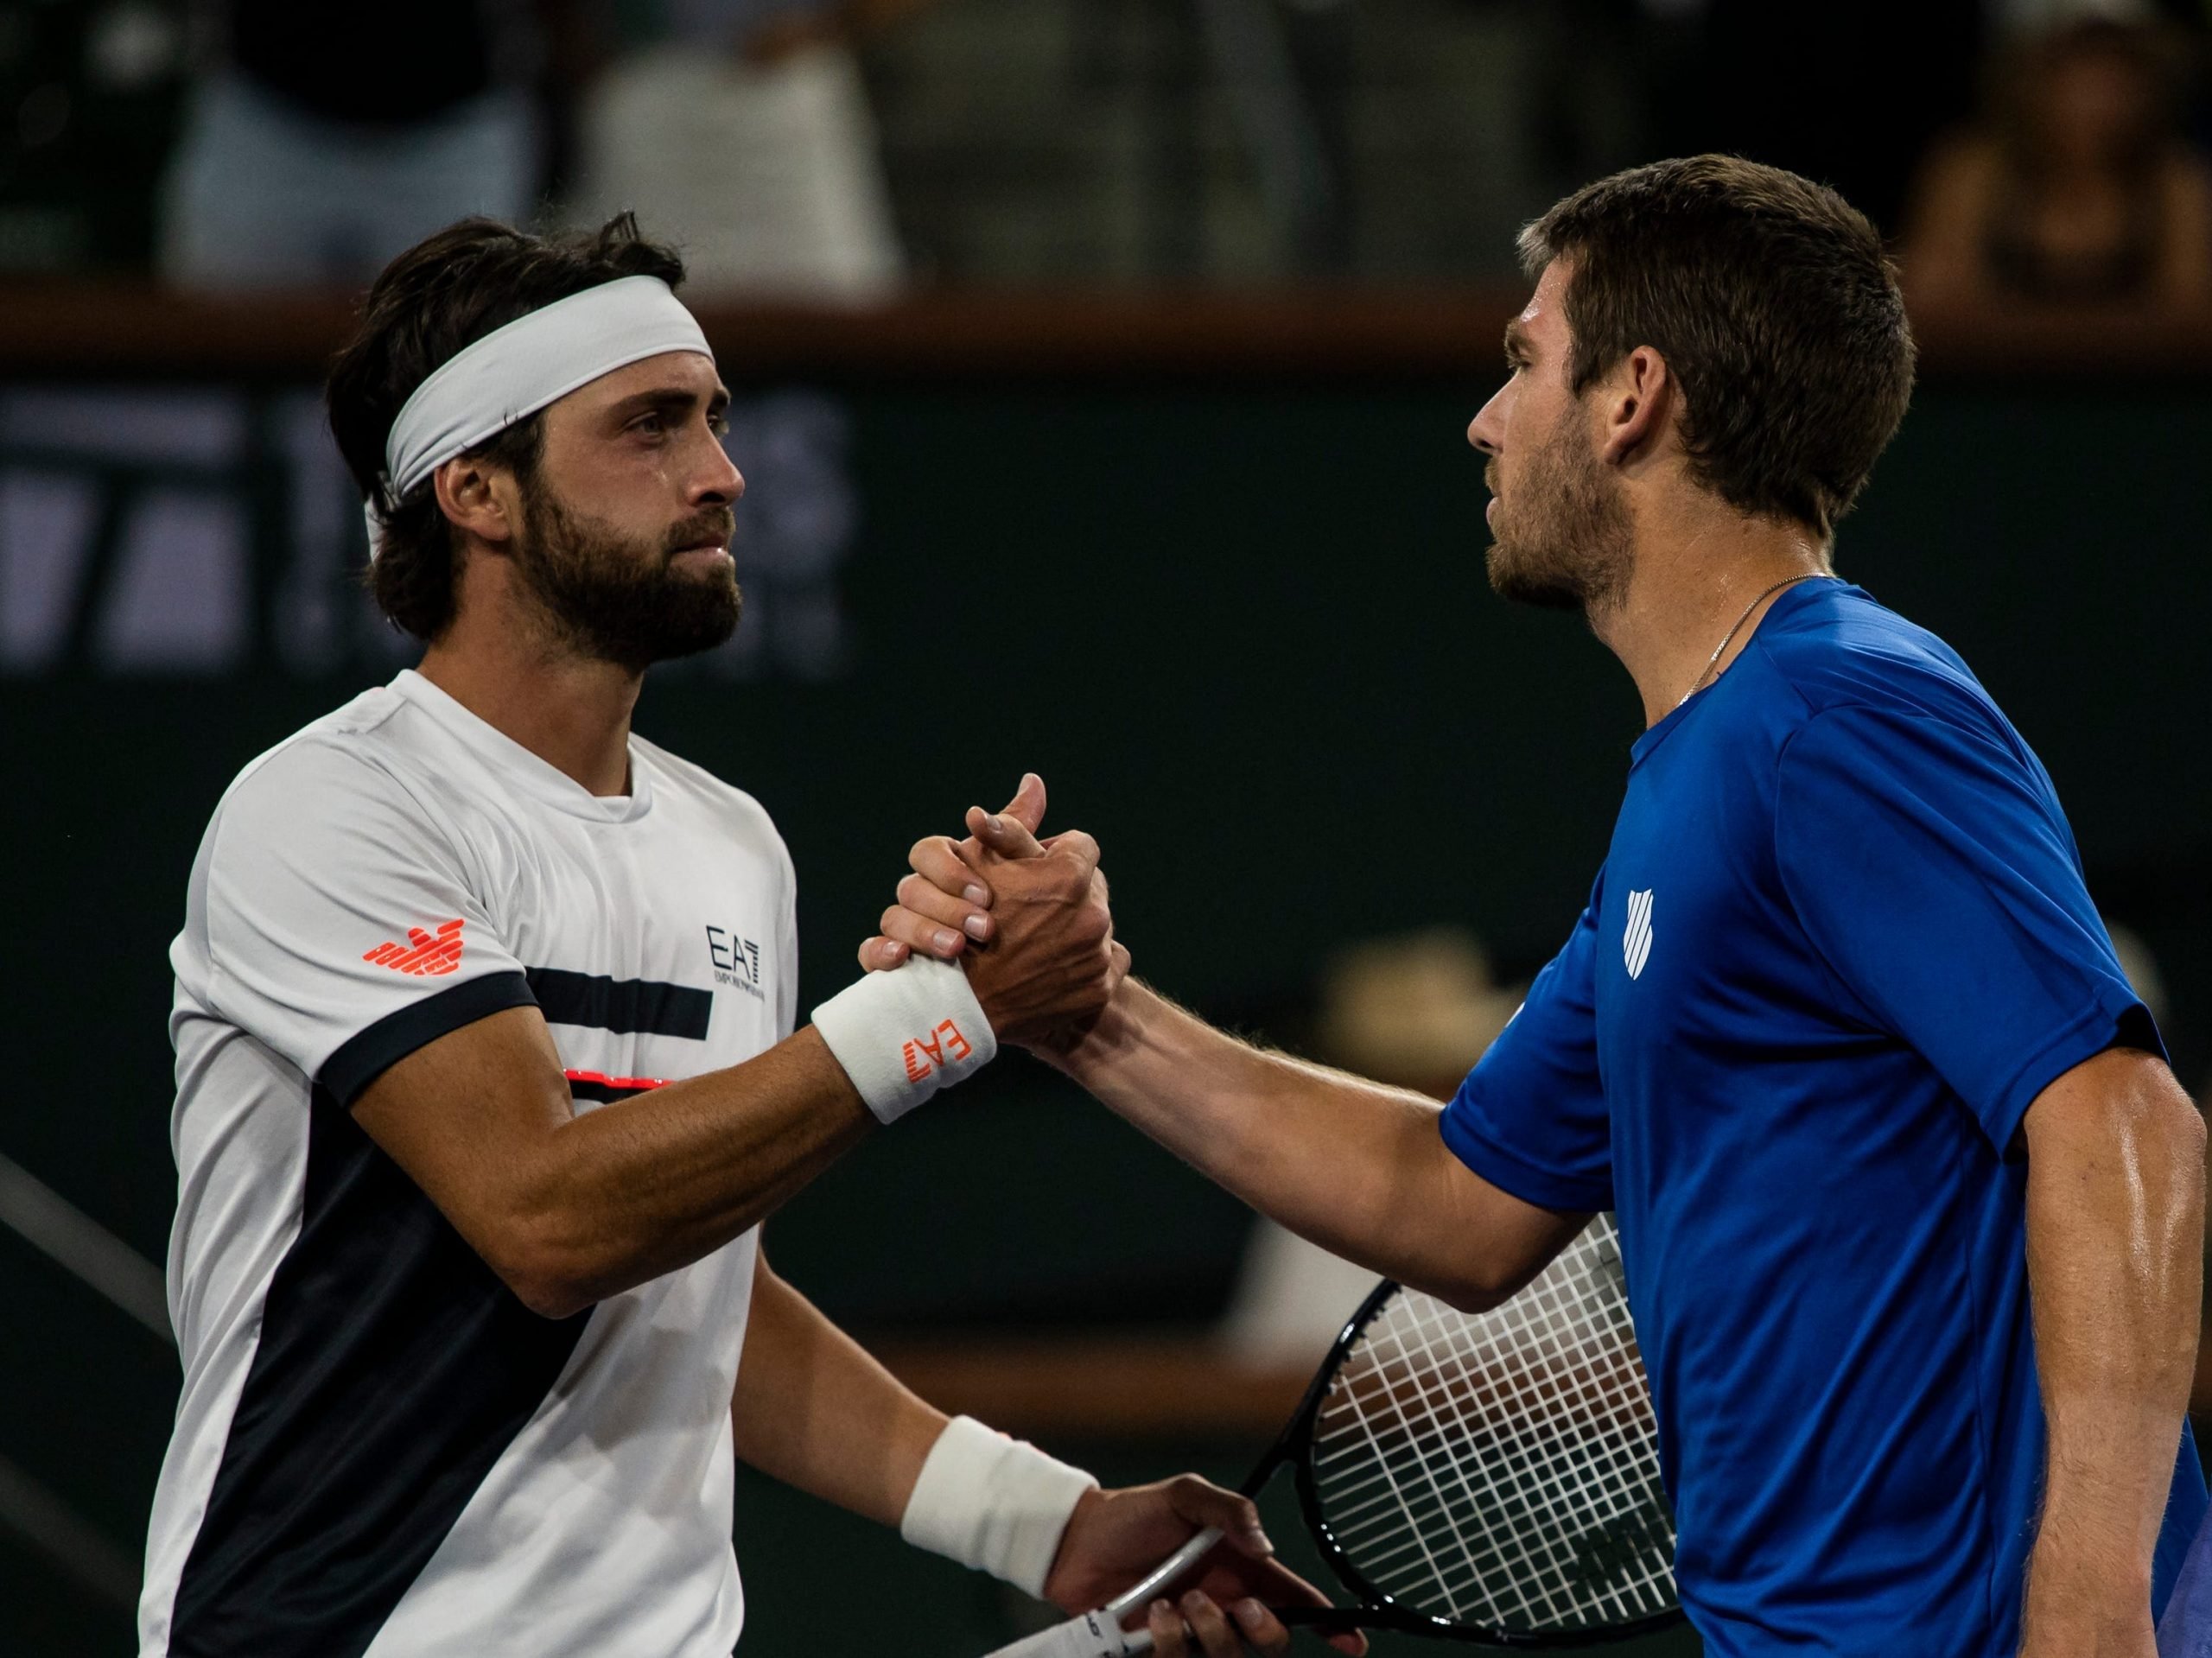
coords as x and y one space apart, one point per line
927 1053
423 954
1635 942
736 960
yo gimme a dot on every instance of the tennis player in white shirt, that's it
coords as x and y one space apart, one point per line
488 1072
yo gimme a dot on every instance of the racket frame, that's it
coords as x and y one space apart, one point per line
1382 1610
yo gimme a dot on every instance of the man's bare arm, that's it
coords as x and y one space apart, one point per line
1355 1166
2115 1262
814 1409
571 1207
568 1208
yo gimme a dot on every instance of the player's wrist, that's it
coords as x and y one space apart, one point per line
2095 1589
1091 1050
2074 1632
1060 1575
2084 1600
994 1503
904 1034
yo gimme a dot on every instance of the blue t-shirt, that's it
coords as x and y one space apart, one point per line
1840 943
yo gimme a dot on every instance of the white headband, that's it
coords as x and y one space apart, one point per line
513 371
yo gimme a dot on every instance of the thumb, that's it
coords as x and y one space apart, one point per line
1027 806
1236 1518
1004 834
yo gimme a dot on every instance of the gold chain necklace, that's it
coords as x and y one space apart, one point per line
1714 661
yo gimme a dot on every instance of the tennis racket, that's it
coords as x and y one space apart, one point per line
1491 1478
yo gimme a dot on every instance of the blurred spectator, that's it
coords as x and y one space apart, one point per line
324 139
90 94
740 129
1848 94
1416 1012
2076 188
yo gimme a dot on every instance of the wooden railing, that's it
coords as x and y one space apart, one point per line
1105 1386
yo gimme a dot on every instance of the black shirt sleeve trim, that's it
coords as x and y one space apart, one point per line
622 1004
368 1054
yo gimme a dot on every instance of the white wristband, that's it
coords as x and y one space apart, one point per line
904 1034
994 1503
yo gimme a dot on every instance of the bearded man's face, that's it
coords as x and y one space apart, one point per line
1561 533
616 599
1558 517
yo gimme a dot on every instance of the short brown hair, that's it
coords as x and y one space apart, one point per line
442 294
1777 310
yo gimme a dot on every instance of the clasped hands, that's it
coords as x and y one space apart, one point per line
1032 918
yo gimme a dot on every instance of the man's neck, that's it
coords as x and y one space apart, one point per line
1694 579
571 713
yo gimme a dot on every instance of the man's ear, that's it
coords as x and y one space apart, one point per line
470 500
1640 398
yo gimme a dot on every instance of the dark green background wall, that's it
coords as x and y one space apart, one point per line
1244 635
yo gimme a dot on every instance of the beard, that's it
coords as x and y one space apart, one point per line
612 599
1567 542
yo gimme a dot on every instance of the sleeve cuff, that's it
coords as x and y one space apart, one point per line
2118 1018
368 1054
1514 1174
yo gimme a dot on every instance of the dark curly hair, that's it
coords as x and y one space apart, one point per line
442 294
1775 307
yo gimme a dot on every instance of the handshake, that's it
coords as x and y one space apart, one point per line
1031 917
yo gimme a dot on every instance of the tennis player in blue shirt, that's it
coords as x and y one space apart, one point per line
1911 1204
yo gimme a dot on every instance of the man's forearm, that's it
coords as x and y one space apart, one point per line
1357 1167
2116 1216
570 1207
654 1182
814 1409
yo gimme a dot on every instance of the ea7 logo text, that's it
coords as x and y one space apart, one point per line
736 960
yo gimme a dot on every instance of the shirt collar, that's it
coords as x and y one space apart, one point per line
538 777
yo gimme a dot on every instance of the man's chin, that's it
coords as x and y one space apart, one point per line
1512 578
704 628
702 617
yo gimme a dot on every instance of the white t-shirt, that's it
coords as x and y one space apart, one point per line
380 1450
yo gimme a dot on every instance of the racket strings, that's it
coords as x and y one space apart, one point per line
1525 1568
1552 1528
1536 1545
1502 1469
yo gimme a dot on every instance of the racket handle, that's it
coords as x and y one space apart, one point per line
1095 1634
1138 1593
1099 1634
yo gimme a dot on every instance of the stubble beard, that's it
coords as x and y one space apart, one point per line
607 598
1567 543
